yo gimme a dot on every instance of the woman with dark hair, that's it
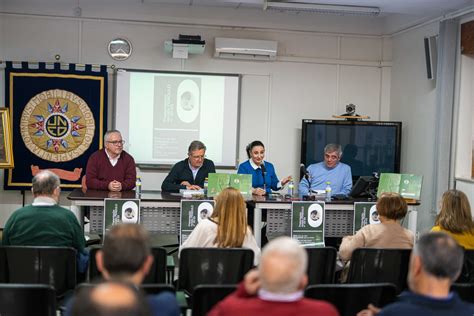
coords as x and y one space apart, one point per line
455 218
264 178
391 208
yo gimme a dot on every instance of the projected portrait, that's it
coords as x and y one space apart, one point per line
204 211
315 214
188 96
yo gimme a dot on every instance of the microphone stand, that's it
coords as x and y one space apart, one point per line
262 167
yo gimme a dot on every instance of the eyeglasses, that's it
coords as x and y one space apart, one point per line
331 157
117 142
198 157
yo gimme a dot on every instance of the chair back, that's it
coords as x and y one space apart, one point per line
213 266
27 299
55 266
157 273
206 296
467 272
464 290
374 265
349 299
321 265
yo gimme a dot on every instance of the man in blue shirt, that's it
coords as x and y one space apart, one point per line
330 170
435 264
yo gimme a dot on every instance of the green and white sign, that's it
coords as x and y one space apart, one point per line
117 211
220 181
192 213
365 213
407 185
307 222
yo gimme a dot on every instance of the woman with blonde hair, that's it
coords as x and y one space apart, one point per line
455 218
391 208
227 226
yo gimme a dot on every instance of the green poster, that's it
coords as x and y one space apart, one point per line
365 213
217 182
242 182
192 213
117 211
220 181
307 223
407 185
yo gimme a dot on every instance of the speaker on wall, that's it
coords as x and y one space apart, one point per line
431 56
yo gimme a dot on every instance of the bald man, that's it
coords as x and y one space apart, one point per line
276 288
111 298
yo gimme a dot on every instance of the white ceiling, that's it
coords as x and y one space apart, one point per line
419 8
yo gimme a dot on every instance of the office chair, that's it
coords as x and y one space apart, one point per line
349 299
375 265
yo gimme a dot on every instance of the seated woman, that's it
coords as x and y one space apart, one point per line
455 218
264 178
391 208
227 226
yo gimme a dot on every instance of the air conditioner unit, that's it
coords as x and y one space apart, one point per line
237 48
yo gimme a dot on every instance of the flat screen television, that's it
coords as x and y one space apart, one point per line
368 146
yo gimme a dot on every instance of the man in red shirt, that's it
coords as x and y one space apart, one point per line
111 168
276 288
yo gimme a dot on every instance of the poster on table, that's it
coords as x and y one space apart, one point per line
307 222
118 211
192 213
365 213
220 181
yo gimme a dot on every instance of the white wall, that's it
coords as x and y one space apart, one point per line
413 99
315 75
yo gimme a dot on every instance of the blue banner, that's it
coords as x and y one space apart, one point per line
58 117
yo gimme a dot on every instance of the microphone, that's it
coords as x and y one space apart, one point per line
262 166
304 171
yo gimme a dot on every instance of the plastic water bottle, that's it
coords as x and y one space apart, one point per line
291 188
328 191
138 187
206 184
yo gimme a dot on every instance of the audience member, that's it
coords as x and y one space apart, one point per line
126 257
391 208
44 222
330 170
276 288
264 178
111 168
435 263
227 227
455 218
110 299
191 172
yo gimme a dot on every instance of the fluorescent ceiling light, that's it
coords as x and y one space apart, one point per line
321 8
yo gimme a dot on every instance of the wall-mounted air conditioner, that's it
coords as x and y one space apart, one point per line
237 48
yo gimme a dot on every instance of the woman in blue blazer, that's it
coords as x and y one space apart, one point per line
264 178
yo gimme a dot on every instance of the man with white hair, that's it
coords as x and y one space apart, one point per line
331 171
44 222
276 288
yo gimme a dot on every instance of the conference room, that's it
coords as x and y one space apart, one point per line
230 73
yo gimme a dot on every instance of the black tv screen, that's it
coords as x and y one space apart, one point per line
368 147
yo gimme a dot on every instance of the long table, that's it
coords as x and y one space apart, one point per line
160 213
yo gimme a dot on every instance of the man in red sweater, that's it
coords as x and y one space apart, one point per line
111 168
276 288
